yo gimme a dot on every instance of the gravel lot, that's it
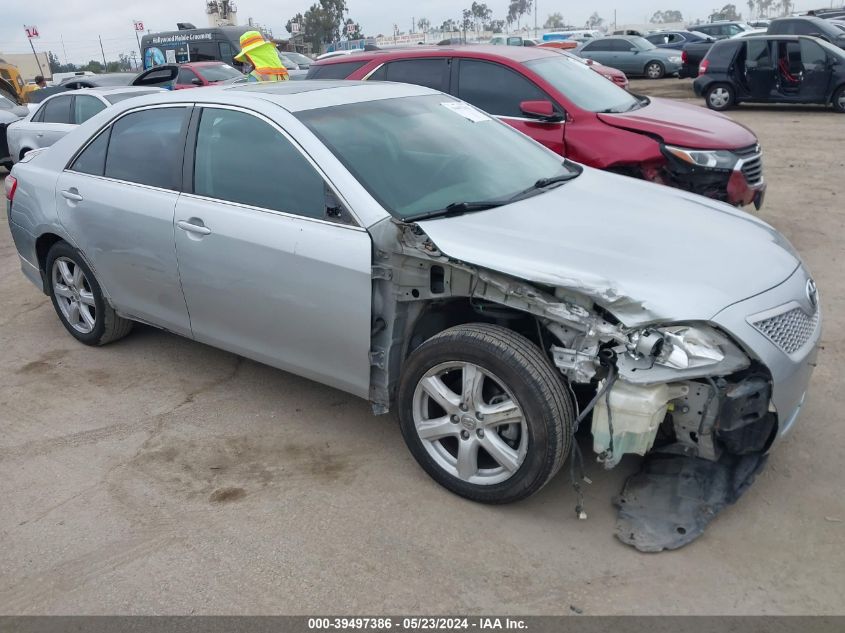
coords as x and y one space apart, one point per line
158 475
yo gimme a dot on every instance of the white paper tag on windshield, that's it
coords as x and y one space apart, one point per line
466 111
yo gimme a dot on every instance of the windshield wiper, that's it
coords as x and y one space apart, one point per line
457 208
544 183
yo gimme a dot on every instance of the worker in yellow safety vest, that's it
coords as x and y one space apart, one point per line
262 55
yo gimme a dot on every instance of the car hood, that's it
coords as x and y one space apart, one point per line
684 124
645 252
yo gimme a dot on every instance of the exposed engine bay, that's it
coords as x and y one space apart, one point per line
686 394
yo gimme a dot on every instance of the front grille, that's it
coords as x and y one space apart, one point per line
789 330
752 166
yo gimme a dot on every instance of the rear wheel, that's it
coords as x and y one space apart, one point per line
839 99
78 299
484 413
719 97
655 70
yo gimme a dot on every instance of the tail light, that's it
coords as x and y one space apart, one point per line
684 57
705 64
11 187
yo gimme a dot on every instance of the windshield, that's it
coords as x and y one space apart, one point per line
217 72
418 155
582 85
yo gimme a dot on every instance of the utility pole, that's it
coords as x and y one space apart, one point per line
103 52
535 19
64 52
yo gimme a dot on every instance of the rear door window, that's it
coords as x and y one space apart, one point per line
495 89
758 54
57 110
144 147
340 70
431 73
598 47
84 107
92 160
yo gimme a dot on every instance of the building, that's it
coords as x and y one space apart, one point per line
27 66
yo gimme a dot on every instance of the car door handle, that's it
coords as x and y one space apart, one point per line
72 194
40 134
193 228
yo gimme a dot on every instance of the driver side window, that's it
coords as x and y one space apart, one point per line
243 159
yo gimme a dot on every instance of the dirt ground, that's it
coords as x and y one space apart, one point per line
158 475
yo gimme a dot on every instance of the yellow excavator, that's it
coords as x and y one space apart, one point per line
12 84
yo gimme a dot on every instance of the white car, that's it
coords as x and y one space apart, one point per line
57 115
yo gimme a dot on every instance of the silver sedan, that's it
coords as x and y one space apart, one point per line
405 247
59 114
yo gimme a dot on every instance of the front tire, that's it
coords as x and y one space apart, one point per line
839 99
655 70
78 298
720 97
484 413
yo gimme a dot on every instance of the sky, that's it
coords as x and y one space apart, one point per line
78 23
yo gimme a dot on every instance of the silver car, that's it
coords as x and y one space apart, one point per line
405 247
61 113
633 55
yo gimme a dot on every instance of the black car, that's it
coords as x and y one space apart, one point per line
809 25
772 69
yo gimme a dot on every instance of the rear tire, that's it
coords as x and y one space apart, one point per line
78 298
839 99
720 97
655 70
501 437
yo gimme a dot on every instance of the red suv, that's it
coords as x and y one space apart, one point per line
572 110
199 74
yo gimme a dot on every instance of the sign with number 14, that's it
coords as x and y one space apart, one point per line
31 32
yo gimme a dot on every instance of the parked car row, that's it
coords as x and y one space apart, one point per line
479 277
694 52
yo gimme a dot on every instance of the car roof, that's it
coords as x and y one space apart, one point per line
293 96
513 53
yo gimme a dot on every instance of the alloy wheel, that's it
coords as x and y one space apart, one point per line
469 423
719 97
73 295
654 71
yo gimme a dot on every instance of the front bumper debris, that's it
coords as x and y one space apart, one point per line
674 497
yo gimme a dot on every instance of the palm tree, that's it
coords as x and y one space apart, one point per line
750 7
785 6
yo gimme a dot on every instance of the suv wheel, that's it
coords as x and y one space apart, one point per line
655 70
78 299
839 99
719 97
484 413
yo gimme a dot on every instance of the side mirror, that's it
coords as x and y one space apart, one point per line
542 110
21 111
196 81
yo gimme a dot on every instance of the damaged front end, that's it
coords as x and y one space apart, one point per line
686 396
